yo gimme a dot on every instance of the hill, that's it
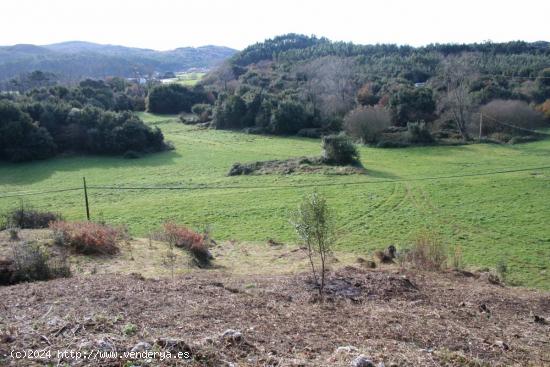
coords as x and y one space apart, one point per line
73 61
295 84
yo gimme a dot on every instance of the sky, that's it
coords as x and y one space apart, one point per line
168 24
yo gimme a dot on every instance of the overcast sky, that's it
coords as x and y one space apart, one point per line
167 24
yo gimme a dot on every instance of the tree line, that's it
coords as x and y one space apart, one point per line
95 117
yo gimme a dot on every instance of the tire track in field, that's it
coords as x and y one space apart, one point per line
457 225
375 208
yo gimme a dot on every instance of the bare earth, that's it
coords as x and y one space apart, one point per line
391 316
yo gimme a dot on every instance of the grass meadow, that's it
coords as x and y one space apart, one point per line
491 200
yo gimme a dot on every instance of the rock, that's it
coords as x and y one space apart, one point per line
346 349
173 345
141 347
362 361
105 345
502 345
232 335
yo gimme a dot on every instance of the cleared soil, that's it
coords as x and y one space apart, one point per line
392 316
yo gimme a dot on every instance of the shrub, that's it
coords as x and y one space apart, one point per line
367 123
419 133
88 237
339 149
203 111
181 236
230 113
28 218
457 261
31 263
129 329
545 109
289 117
502 269
427 253
201 254
193 242
510 117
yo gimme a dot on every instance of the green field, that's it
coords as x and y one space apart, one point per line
189 79
459 192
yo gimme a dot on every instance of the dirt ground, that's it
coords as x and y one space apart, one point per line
392 316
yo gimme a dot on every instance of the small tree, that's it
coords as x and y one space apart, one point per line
339 149
314 225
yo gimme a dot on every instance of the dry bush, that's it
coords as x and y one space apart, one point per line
195 243
367 123
24 217
181 236
427 253
457 260
387 256
31 263
88 237
511 117
545 109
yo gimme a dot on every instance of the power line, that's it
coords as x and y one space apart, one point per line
515 127
275 187
320 184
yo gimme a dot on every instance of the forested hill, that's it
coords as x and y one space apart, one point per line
73 61
295 82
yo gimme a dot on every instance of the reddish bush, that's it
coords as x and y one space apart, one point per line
189 240
545 108
181 236
88 237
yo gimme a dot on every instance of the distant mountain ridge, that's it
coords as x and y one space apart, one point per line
75 60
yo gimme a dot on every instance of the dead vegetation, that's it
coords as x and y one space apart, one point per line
258 307
395 317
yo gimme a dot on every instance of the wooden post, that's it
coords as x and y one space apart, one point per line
480 124
86 199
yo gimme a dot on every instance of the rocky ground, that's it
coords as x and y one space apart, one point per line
392 317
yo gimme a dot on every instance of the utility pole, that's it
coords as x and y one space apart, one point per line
480 124
86 198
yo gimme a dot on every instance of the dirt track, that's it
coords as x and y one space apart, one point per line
406 319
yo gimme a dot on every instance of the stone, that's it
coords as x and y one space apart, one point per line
173 345
141 347
362 361
105 345
502 345
232 335
346 349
